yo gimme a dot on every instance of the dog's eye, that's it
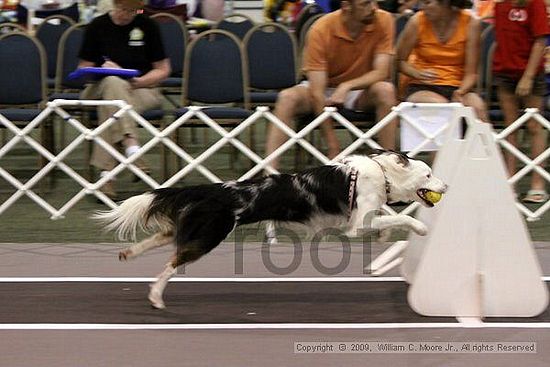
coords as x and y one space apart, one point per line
429 175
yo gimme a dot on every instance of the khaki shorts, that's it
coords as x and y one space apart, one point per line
351 98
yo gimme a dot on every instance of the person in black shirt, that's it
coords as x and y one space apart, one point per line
123 38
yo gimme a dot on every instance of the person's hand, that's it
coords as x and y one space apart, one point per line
110 64
338 97
138 82
426 76
524 87
458 96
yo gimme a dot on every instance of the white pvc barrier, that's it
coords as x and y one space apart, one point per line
473 263
531 164
227 138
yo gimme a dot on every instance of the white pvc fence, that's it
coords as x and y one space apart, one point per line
230 137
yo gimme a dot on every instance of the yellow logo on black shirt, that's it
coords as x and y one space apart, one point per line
136 37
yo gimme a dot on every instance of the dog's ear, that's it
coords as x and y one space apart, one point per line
376 152
402 159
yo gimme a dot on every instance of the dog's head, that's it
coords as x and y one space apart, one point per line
409 179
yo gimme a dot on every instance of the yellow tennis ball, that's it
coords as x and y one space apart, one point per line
433 196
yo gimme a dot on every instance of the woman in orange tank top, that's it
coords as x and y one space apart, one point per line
438 51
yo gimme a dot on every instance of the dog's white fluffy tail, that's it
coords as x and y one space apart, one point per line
128 217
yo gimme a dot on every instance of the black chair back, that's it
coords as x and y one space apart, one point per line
485 67
307 12
174 38
236 24
11 27
23 66
67 58
49 33
70 11
271 57
215 71
400 23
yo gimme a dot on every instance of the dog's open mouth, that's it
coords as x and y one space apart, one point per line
422 194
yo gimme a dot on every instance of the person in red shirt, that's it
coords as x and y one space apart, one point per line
521 27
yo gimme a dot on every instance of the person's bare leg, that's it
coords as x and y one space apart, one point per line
509 106
537 139
333 144
290 102
382 97
475 101
385 97
425 96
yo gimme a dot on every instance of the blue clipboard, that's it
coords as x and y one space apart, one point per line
95 73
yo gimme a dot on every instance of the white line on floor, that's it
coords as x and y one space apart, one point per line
254 326
195 279
204 279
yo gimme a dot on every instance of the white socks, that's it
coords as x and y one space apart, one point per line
131 150
128 151
104 173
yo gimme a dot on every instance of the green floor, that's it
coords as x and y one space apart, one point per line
25 221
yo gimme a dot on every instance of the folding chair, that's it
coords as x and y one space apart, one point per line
271 57
49 33
400 22
215 76
70 11
6 28
485 86
307 12
174 38
23 92
67 62
237 24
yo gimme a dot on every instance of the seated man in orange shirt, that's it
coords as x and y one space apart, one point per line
347 62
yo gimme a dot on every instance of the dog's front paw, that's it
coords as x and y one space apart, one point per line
125 255
420 228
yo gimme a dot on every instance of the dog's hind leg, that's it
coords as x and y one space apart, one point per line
194 239
156 240
185 255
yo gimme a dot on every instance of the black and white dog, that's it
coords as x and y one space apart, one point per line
340 195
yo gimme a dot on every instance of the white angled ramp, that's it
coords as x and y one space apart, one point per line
444 167
478 259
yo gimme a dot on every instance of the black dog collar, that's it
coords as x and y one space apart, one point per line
387 183
352 191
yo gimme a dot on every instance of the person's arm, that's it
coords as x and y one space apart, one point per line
525 84
471 63
85 64
106 64
317 85
405 45
380 72
161 70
